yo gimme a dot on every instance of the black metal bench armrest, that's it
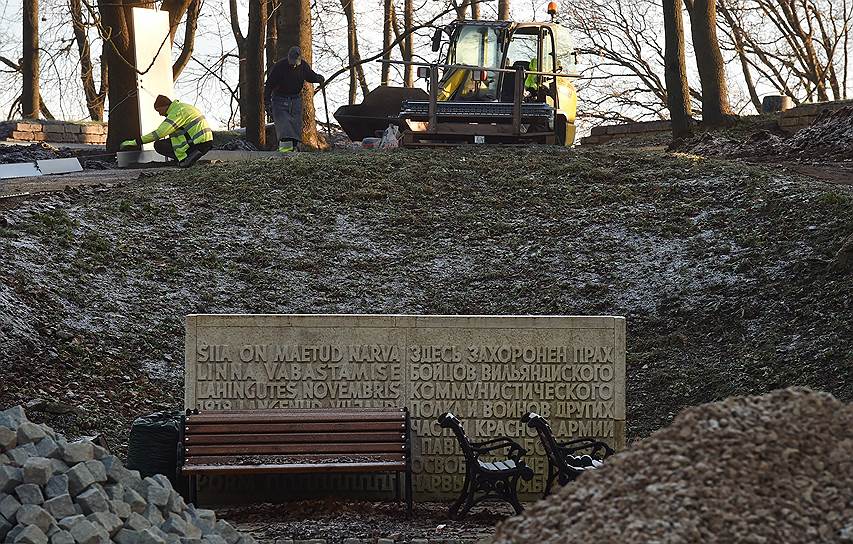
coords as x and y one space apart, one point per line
515 450
577 444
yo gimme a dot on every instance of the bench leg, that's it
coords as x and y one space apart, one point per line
194 490
397 486
409 498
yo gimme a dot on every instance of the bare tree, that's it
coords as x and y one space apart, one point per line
716 110
30 61
190 28
242 54
272 33
94 98
678 90
387 38
254 73
409 42
356 75
503 10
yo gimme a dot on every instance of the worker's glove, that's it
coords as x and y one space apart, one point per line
127 144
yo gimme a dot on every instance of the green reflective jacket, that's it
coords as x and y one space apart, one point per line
185 124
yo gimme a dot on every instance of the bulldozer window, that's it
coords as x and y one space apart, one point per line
566 60
522 47
477 46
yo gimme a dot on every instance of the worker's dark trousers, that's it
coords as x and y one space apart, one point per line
164 147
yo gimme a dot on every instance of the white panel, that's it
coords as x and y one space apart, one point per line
18 170
128 158
154 57
59 166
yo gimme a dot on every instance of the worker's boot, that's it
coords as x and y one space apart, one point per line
285 146
191 159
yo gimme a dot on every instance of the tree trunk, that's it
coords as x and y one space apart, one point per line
176 9
242 77
94 101
740 49
387 39
183 59
118 51
254 74
475 10
272 33
294 28
677 89
408 21
30 62
716 110
503 10
352 49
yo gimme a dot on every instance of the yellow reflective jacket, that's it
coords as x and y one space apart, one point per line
185 124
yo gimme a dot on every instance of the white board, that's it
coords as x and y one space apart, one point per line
59 166
153 52
19 170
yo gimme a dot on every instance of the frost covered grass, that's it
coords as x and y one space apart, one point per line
722 268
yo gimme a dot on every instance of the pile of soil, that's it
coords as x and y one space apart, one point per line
724 270
31 153
830 136
775 468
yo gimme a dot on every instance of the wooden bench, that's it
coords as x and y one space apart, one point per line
564 463
297 441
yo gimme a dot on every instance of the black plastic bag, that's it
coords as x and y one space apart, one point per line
153 445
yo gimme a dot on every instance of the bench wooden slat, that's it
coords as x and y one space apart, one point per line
271 449
285 417
295 468
309 458
294 427
293 438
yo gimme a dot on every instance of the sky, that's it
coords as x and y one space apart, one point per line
60 62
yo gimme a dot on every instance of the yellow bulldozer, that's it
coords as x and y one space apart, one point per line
500 82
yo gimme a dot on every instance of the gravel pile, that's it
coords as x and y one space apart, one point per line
829 136
61 492
34 152
774 468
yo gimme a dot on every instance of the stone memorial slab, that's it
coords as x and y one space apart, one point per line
488 370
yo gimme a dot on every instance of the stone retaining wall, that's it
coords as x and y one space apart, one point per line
36 130
790 121
804 115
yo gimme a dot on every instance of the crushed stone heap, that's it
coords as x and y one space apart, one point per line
61 492
775 468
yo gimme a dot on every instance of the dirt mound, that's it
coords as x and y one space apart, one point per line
774 468
33 152
830 136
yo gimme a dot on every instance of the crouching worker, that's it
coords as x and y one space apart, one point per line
184 134
283 96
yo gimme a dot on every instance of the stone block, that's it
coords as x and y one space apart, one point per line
47 447
153 514
85 532
10 478
115 492
158 496
91 139
28 126
59 466
109 521
38 470
8 439
137 522
14 532
68 522
79 478
9 507
175 525
150 536
97 469
56 486
227 531
29 494
99 451
18 456
31 535
39 137
213 539
120 508
176 502
78 452
93 500
5 527
30 432
71 128
126 536
32 514
60 507
61 537
135 501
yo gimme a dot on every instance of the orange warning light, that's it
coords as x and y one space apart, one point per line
552 8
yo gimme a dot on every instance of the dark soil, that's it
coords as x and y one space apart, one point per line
725 271
336 521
